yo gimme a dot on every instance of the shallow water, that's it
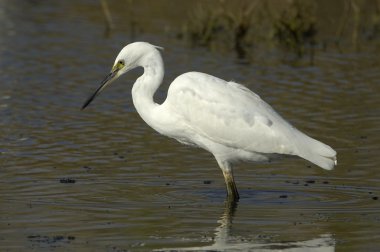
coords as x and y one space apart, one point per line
101 179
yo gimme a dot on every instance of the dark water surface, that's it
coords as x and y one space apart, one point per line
101 179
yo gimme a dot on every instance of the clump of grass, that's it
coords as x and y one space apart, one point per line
204 24
291 26
359 23
373 31
239 25
295 29
226 24
375 27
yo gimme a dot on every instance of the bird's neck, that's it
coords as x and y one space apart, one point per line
146 85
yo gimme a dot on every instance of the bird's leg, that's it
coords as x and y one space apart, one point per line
232 192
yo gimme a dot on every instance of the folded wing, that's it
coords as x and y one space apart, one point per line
230 114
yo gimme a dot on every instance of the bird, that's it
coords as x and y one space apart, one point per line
222 117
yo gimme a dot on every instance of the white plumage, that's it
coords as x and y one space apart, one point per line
225 118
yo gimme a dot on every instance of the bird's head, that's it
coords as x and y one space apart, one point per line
130 57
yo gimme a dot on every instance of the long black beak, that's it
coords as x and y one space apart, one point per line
108 80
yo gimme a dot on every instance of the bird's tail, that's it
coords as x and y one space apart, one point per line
317 152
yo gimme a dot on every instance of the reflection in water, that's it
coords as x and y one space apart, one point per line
225 241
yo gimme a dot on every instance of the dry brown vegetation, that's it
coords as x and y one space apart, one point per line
297 27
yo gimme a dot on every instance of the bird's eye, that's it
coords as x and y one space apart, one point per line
121 62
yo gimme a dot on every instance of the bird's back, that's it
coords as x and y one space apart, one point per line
228 113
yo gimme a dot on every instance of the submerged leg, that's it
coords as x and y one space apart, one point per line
232 192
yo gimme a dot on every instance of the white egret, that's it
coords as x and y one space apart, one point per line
224 118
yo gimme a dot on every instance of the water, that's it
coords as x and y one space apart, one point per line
101 179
